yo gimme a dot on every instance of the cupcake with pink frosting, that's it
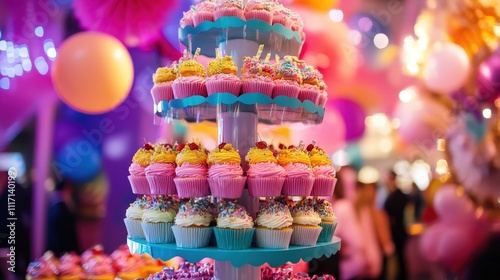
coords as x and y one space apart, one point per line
130 267
133 217
222 76
259 9
40 270
229 8
192 224
305 225
225 175
265 176
312 83
70 269
287 78
191 171
257 76
99 267
323 171
299 176
203 11
90 253
281 15
161 171
137 169
187 18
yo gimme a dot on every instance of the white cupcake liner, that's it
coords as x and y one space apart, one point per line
158 233
192 237
273 238
134 228
305 235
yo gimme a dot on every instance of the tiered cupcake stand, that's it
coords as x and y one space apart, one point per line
237 118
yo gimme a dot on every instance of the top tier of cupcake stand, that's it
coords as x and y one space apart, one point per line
237 119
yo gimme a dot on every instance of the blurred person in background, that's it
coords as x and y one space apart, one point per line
395 207
61 237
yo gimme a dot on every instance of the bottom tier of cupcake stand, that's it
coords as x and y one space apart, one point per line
237 264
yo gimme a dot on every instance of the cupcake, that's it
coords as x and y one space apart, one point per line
323 171
133 217
191 78
222 76
234 230
312 84
70 269
162 84
71 257
299 177
225 175
229 8
137 177
187 18
203 11
157 221
281 15
191 171
99 267
192 224
52 261
257 77
273 225
265 176
40 270
151 265
287 78
305 225
296 22
328 219
259 9
92 252
130 267
121 252
161 171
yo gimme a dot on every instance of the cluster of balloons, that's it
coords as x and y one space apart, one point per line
459 231
93 72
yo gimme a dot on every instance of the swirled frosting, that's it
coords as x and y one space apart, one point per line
324 171
70 268
274 215
142 157
293 155
136 208
99 265
129 263
225 171
319 157
164 74
136 169
222 65
193 213
325 211
164 154
165 169
298 170
258 155
303 213
188 170
224 155
265 170
39 269
196 156
233 216
158 211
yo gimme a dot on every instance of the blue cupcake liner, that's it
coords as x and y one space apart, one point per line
234 239
327 232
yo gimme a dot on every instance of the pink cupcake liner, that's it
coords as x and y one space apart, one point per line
191 187
161 184
323 186
282 20
265 187
195 237
250 86
304 235
263 15
162 91
308 94
273 238
158 233
217 86
187 89
286 90
229 12
134 228
139 184
200 17
227 187
297 186
322 99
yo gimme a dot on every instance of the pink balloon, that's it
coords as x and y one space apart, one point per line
452 206
329 135
430 240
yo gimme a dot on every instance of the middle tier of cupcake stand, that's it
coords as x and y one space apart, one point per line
237 118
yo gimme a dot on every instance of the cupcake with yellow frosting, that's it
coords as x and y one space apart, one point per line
297 164
323 171
190 78
222 76
191 171
265 176
137 178
162 84
161 171
225 175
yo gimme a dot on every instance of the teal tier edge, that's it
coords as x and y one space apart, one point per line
207 35
238 258
247 98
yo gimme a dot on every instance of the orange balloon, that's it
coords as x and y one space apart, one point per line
93 72
320 5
